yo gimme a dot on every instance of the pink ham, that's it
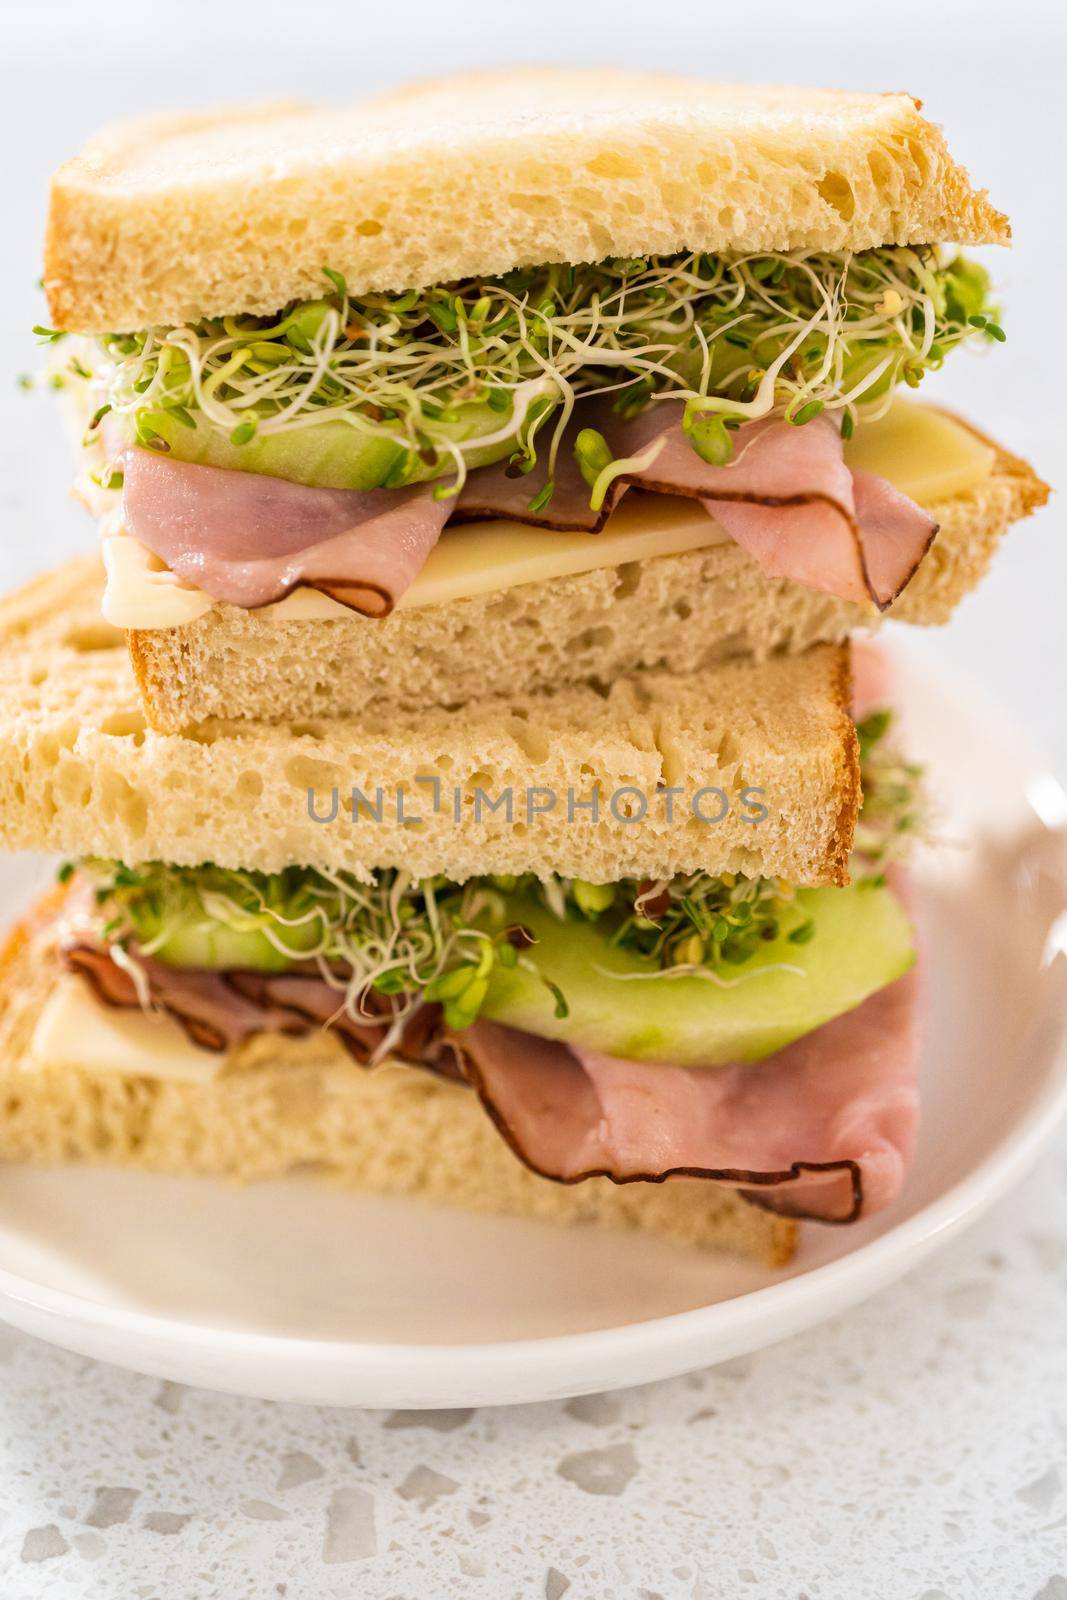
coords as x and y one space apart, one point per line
219 1011
251 539
874 685
502 491
890 532
213 1013
822 1129
786 496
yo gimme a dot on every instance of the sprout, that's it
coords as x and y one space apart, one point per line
620 467
710 438
894 808
592 453
592 899
735 337
244 431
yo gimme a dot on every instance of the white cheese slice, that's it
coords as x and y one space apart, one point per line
142 593
75 1030
482 557
926 454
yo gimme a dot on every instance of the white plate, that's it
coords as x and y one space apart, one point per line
294 1291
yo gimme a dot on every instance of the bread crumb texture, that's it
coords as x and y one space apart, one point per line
81 772
171 218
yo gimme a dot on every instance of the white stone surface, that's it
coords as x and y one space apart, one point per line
913 1450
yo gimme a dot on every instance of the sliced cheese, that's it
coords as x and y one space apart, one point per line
75 1030
142 593
482 557
925 453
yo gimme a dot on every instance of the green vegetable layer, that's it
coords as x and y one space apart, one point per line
619 1003
382 390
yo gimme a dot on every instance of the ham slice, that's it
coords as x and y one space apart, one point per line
501 491
221 1010
822 1129
786 496
250 539
208 1006
874 686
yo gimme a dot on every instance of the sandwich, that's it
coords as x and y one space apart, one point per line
464 781
690 1008
359 430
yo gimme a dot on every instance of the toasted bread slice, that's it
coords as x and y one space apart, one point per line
682 613
176 217
278 1104
81 773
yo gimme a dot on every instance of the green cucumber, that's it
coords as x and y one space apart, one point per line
216 946
335 454
862 941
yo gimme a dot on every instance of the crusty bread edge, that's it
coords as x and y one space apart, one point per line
79 272
849 788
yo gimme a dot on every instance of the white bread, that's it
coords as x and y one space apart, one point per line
682 613
281 1104
81 773
175 217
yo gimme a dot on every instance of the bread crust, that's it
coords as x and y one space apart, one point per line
168 219
282 1104
971 526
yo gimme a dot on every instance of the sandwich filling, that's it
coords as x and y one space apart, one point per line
326 448
738 1029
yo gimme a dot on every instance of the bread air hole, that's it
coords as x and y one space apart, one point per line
883 169
627 579
837 192
536 205
592 639
613 165
533 745
124 725
93 636
728 752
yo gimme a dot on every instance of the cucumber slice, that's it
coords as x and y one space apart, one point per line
327 455
330 454
215 946
863 940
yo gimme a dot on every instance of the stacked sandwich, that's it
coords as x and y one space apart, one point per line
455 751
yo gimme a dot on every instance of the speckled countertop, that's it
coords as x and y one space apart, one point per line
915 1449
